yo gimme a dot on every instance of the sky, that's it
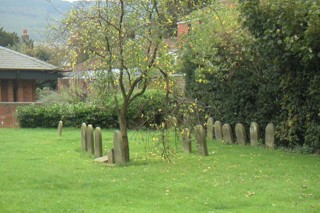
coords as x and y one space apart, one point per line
77 0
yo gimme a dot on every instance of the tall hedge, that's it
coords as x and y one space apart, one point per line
265 68
287 33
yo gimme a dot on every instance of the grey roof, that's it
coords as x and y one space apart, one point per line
12 60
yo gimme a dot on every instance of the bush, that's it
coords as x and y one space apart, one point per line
143 111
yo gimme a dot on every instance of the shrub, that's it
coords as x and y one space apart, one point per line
143 111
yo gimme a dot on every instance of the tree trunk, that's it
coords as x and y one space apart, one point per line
124 133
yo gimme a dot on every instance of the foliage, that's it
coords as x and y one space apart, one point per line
41 172
7 39
145 110
287 35
264 70
223 74
124 41
179 9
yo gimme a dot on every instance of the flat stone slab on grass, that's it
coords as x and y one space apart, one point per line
103 159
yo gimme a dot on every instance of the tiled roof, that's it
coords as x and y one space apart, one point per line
12 60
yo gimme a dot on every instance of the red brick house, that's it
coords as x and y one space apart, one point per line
18 75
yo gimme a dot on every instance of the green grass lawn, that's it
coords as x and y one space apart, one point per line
40 172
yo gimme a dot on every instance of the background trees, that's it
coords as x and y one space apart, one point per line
7 39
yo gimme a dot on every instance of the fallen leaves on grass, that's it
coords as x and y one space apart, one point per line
249 194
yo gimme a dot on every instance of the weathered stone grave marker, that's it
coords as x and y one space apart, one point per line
218 130
171 122
201 140
98 143
84 136
111 159
227 134
60 126
210 129
186 140
241 136
119 153
269 136
254 134
90 140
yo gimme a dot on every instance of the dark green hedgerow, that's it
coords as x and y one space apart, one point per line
143 111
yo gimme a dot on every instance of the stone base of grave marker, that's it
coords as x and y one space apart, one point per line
201 140
60 125
210 129
186 140
111 159
119 153
103 159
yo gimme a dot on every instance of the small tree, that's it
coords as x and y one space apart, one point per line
124 43
7 39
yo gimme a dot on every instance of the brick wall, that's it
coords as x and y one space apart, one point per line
7 120
14 93
7 110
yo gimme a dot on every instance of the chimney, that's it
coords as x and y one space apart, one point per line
183 28
25 35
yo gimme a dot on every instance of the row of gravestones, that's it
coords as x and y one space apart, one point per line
93 145
216 131
219 132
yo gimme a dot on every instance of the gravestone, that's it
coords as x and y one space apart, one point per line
60 125
111 159
186 140
119 154
269 136
210 129
201 140
98 143
218 130
90 140
227 134
241 134
84 137
171 121
254 134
